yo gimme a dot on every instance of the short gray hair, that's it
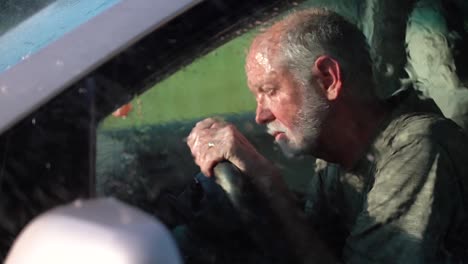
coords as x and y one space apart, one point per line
311 33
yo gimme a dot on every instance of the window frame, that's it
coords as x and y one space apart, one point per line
63 62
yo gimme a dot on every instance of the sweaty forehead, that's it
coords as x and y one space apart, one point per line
261 61
266 42
261 56
259 68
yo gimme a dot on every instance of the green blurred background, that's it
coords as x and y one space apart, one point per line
213 84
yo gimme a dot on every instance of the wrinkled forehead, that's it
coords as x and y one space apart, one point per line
259 68
261 60
263 51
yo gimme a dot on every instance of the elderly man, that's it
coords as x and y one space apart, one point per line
399 194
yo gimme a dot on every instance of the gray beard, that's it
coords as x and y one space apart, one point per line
308 127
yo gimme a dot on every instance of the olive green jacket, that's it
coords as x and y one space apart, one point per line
406 200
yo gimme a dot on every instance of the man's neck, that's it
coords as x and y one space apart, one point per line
352 129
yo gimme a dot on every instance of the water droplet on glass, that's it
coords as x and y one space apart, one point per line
81 90
33 121
48 165
125 217
390 70
78 203
4 89
26 56
295 3
248 126
59 63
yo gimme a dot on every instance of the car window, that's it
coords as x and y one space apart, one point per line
49 157
144 139
141 152
28 26
141 144
142 156
121 129
48 153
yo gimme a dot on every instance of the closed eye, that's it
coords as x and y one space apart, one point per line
271 91
268 89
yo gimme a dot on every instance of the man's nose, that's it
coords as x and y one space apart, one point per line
263 115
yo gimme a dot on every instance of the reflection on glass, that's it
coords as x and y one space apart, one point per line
141 147
142 157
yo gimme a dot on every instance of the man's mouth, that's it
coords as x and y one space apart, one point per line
278 135
276 131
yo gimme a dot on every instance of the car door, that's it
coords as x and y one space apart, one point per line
60 86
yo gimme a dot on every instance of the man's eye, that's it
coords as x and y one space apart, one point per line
271 91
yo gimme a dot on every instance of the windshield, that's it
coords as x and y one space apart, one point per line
28 26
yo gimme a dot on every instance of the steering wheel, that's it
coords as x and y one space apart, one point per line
236 185
253 210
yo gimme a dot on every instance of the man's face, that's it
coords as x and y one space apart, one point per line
293 114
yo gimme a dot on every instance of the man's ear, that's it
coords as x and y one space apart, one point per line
327 72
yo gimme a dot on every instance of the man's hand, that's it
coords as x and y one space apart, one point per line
213 140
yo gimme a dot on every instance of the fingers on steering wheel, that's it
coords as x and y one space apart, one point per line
208 165
200 142
194 138
210 122
205 123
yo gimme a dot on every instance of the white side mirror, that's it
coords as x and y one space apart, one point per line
94 231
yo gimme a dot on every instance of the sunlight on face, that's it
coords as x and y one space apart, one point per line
262 60
302 137
294 114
